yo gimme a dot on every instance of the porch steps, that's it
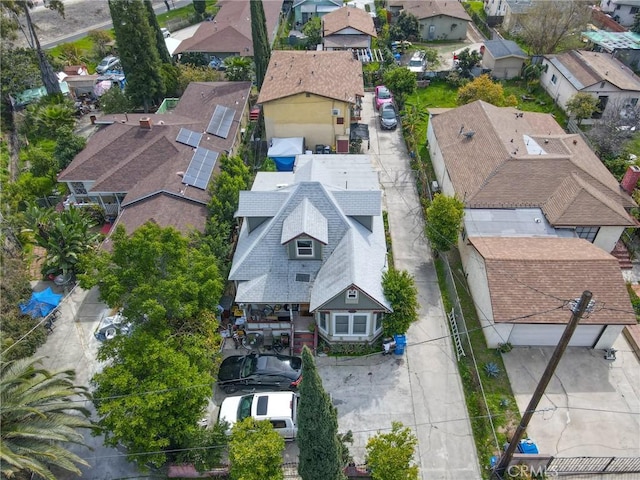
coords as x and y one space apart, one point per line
622 254
301 339
254 114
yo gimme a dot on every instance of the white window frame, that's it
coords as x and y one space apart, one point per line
350 323
306 247
554 78
378 319
323 321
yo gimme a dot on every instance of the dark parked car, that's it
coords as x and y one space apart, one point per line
388 117
260 370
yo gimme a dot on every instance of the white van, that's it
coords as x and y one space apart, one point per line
280 408
418 63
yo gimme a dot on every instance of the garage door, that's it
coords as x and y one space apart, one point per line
549 335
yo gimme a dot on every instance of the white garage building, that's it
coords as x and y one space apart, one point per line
522 286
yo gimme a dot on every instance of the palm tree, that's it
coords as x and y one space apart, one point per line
64 235
238 69
39 414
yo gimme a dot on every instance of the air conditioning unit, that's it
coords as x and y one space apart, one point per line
335 112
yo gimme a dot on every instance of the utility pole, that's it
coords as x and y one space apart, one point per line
578 310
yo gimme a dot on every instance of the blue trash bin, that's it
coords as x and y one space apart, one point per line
401 343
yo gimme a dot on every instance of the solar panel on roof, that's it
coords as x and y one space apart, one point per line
200 168
221 121
189 137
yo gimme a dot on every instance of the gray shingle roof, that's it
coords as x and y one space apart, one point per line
351 254
305 220
501 48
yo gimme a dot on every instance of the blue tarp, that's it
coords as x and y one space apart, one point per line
41 303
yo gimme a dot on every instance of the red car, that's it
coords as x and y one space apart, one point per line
383 95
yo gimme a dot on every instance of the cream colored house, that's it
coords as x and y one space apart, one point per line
312 94
504 58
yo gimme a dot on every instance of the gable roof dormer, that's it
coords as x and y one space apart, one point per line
305 220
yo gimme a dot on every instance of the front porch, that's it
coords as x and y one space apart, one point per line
294 320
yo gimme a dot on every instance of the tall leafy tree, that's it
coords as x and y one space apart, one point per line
151 394
261 47
406 27
483 88
467 59
255 451
582 105
313 31
40 416
400 289
200 6
402 83
320 449
161 45
156 273
65 236
16 9
444 222
390 455
138 51
14 289
547 24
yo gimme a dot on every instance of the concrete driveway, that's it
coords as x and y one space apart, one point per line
421 389
590 408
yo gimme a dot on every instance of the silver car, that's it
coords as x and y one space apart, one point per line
388 117
108 63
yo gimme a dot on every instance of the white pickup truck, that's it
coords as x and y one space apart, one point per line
280 408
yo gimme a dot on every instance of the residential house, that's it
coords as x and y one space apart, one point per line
503 57
521 176
347 27
520 284
596 73
229 33
312 94
311 249
305 10
625 46
156 167
495 11
622 11
438 19
513 13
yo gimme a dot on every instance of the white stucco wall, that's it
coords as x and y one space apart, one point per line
608 337
563 90
437 161
607 238
495 8
474 269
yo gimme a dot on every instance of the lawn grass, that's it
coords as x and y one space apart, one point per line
478 7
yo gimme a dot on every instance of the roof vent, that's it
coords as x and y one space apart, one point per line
303 277
469 134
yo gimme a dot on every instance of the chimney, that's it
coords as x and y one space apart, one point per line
145 123
630 179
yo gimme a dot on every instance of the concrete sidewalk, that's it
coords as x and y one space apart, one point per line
446 448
